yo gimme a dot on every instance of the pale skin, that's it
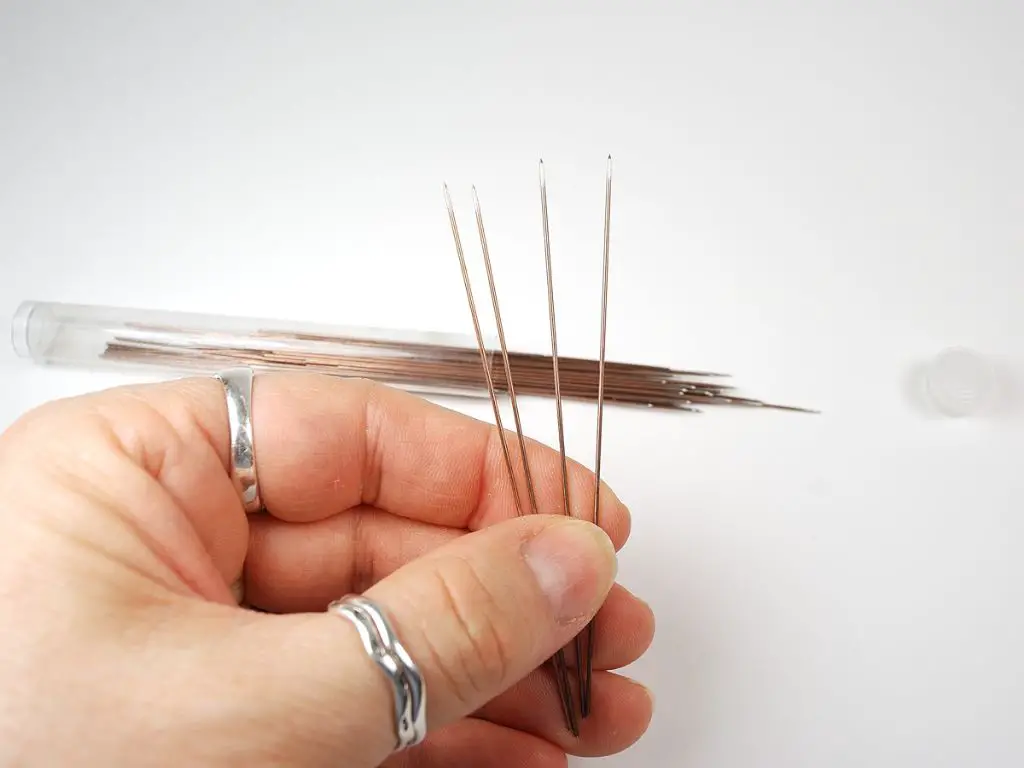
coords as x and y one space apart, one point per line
121 536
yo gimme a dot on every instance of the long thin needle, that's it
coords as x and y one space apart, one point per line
558 662
585 692
483 351
558 402
554 337
504 352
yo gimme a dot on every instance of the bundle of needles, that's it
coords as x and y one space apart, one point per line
445 369
558 369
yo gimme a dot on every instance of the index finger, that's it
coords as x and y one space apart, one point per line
324 445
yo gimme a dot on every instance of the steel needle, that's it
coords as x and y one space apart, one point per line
585 699
561 674
483 351
504 352
558 395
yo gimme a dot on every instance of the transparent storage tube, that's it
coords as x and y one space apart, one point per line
85 336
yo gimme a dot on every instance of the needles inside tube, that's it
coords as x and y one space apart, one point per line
430 368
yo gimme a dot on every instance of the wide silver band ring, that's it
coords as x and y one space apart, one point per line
383 647
238 391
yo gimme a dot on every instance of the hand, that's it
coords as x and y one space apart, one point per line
121 535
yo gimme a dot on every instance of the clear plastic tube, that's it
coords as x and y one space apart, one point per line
85 336
430 364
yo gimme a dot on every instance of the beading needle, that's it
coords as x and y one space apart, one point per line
558 662
483 351
585 687
554 336
504 352
558 395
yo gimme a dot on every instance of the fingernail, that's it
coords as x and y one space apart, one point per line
574 563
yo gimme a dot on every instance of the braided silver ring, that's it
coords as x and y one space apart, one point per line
382 646
237 384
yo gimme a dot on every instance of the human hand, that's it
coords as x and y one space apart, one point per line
121 534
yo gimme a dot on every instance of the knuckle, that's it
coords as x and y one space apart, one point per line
373 445
477 661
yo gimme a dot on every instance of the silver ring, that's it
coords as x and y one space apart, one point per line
238 390
383 647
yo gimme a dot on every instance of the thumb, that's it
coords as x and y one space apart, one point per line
482 614
476 616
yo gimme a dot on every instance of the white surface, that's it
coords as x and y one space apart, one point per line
814 199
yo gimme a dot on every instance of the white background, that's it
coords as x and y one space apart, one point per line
814 197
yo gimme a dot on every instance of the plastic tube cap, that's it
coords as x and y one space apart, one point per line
959 383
